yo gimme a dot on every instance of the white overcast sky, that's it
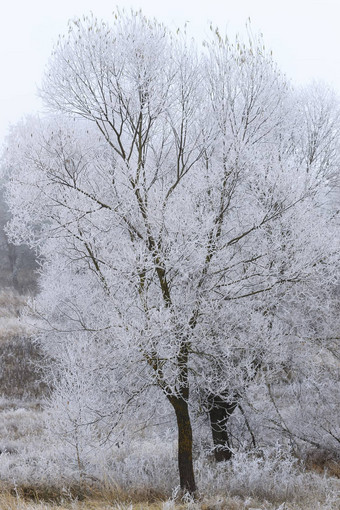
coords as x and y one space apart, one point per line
303 34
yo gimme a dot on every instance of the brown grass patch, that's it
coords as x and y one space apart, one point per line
79 496
322 462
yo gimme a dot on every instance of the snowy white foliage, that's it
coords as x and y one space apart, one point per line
180 202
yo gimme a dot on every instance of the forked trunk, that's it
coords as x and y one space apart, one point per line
185 463
219 414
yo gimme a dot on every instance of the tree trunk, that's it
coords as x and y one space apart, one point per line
219 414
185 463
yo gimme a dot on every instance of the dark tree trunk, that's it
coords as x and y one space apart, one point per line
219 414
185 463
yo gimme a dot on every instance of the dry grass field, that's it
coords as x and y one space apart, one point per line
10 502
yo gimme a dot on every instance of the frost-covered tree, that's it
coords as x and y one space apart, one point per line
180 201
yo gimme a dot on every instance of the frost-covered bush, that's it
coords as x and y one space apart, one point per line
269 474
